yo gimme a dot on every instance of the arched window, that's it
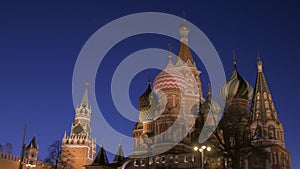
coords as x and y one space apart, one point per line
156 159
258 96
150 161
258 133
284 163
163 159
136 162
176 159
266 104
265 95
271 132
142 162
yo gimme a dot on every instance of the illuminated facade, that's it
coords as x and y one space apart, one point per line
173 112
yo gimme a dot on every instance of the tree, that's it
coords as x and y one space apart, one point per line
234 139
58 158
1 148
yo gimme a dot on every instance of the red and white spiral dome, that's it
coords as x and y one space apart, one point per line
170 77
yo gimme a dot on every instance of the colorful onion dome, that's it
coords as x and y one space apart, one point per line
236 86
148 103
170 77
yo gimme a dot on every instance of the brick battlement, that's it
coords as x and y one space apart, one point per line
9 157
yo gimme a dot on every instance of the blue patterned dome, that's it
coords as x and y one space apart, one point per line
236 86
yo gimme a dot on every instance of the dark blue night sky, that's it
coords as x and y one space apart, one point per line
40 42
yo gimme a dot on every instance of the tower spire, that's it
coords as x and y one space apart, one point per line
234 57
184 31
263 110
85 100
119 157
259 62
149 78
170 49
101 158
184 54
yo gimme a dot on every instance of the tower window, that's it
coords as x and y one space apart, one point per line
163 159
136 163
157 160
142 162
176 159
150 161
271 132
258 96
258 133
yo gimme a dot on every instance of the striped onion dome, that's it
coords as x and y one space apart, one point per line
170 77
236 86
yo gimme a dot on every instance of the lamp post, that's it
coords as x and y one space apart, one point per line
202 149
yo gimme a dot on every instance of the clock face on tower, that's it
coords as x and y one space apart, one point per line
78 129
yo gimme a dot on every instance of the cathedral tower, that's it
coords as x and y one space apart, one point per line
171 122
79 147
192 95
234 126
265 124
144 128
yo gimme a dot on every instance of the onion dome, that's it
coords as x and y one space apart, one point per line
184 32
148 103
236 86
144 101
170 77
183 27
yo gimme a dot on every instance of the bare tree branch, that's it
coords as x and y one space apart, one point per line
58 157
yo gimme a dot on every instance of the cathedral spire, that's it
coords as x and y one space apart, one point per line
184 31
32 143
234 58
85 100
184 54
263 107
32 150
119 157
259 63
101 158
263 112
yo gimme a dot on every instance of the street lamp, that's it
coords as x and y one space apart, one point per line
30 165
202 149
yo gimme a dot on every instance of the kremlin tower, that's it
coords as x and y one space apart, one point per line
79 147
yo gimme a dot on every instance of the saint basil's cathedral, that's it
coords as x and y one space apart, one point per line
174 113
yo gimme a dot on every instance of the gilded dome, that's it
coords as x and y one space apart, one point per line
170 77
184 27
236 86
